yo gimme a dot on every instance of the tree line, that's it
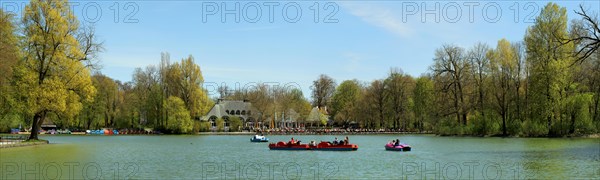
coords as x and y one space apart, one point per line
166 97
50 72
547 84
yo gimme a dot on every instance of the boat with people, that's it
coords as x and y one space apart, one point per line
397 147
322 146
336 145
288 146
327 146
259 138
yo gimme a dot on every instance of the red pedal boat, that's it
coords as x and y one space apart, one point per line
287 146
326 146
323 146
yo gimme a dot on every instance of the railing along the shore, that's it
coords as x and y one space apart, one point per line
11 139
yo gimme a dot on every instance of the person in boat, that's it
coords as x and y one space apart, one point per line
346 141
397 142
392 142
292 141
313 143
335 141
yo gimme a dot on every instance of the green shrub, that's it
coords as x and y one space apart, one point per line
534 129
10 121
220 124
197 127
204 126
480 126
235 124
179 119
514 127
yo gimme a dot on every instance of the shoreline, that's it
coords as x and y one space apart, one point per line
589 136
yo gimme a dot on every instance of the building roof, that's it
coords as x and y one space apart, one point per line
230 108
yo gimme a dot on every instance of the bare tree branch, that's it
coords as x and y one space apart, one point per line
586 35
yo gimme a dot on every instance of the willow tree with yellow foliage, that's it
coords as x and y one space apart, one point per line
54 75
186 79
9 55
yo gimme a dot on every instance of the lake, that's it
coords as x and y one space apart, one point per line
234 157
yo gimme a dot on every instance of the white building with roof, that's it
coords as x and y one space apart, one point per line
228 108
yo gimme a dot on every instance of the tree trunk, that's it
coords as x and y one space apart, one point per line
462 104
395 122
464 118
132 120
550 132
106 121
481 108
38 119
456 107
381 123
458 117
78 121
480 84
518 99
596 115
596 109
89 122
504 124
549 99
527 112
572 128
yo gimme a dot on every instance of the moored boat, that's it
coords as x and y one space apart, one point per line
94 132
258 138
400 147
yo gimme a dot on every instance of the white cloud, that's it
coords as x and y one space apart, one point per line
379 16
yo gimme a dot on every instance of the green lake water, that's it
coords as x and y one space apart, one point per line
234 157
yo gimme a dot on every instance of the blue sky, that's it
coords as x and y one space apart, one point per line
359 40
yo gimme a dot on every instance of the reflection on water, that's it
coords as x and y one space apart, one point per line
229 157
